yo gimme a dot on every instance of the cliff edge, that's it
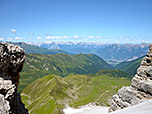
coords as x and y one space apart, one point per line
140 89
11 63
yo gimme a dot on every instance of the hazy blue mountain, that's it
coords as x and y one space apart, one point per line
123 52
112 53
35 49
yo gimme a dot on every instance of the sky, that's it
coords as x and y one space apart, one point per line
107 21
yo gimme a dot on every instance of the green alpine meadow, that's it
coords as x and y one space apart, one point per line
52 93
40 65
51 82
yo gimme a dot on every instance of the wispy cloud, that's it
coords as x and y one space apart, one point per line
121 37
56 37
76 37
99 37
18 38
39 37
91 37
13 30
9 39
65 37
1 39
32 34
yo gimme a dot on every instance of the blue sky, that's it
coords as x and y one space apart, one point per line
110 21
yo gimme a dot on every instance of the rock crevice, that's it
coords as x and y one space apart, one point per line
11 63
140 89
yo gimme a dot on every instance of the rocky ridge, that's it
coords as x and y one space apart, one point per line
11 63
140 89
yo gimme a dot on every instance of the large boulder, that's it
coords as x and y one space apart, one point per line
140 89
11 63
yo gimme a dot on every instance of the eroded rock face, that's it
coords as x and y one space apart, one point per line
140 89
11 63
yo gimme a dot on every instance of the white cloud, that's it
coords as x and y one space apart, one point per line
50 37
90 36
32 34
9 38
57 37
39 37
76 37
13 30
1 39
18 38
65 37
127 38
121 37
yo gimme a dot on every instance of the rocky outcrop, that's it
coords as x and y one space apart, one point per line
141 108
140 89
11 63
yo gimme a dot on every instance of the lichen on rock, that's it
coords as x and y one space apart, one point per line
11 63
140 89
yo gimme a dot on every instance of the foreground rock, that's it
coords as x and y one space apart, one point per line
142 108
11 63
140 89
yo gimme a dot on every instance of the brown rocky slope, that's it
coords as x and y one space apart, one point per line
11 63
140 89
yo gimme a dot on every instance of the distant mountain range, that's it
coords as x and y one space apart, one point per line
39 65
35 49
112 53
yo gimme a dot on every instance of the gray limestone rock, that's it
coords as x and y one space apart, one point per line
140 89
141 108
11 63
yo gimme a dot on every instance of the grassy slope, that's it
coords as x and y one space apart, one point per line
50 94
39 65
114 73
129 67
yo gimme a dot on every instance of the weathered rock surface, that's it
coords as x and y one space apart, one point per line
11 63
141 108
140 89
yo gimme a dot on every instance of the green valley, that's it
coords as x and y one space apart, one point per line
129 67
52 79
39 65
113 73
51 93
